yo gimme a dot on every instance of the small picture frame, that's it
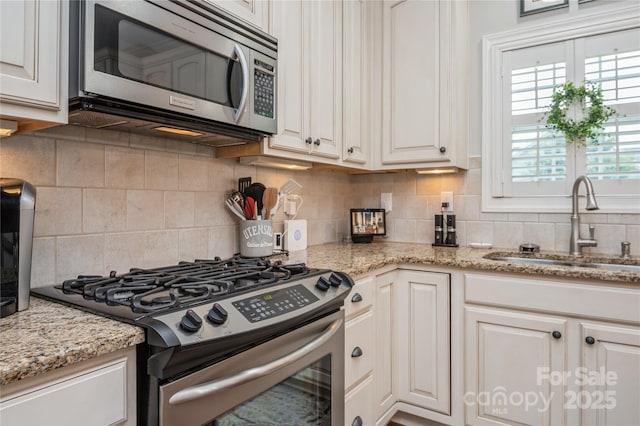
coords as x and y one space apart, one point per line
529 7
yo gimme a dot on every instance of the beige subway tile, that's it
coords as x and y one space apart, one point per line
222 175
145 210
124 251
210 209
30 158
609 238
58 211
80 164
104 210
124 167
416 207
632 234
193 173
82 254
479 232
161 170
147 142
66 132
43 262
223 241
404 230
542 234
180 147
507 235
194 244
179 209
161 248
108 137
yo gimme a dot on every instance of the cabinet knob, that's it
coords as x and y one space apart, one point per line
590 340
308 141
357 352
357 421
443 149
556 334
356 298
350 150
316 142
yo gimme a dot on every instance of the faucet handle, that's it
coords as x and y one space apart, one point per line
592 232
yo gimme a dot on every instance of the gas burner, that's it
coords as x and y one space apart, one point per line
154 290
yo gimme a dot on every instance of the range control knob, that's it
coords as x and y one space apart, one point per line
323 284
217 314
191 322
335 280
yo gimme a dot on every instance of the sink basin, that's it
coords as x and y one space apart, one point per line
609 264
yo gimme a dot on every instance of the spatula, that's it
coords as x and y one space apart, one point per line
269 200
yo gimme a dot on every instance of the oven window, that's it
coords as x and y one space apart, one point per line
130 49
302 399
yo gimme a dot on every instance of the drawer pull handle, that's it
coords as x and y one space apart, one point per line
556 334
357 352
356 298
357 421
590 340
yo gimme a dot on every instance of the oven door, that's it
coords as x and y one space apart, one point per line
138 52
295 379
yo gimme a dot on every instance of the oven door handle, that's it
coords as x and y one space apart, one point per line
211 388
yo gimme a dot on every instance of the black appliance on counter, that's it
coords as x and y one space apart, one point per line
17 208
225 335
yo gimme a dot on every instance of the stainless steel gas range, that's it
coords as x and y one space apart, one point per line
228 341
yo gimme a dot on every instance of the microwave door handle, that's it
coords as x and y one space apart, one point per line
237 51
211 388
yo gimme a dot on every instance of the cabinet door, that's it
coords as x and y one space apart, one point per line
359 349
30 58
358 405
611 375
383 370
356 70
423 339
411 80
309 77
508 356
256 12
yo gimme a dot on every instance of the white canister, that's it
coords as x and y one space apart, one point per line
256 238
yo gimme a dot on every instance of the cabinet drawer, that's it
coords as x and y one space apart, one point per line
359 342
359 403
93 397
360 298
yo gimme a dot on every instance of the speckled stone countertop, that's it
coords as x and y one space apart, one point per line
359 259
49 335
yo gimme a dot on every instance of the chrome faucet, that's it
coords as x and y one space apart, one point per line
576 242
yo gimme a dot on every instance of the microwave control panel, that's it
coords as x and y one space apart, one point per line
264 93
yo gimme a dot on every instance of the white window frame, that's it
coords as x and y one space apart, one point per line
493 102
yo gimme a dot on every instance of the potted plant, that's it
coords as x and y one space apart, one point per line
590 112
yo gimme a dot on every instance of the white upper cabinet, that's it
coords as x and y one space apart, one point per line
255 12
309 37
424 84
33 55
357 77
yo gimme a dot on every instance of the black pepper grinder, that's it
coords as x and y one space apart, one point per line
451 230
439 230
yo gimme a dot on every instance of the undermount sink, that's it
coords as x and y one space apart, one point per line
609 264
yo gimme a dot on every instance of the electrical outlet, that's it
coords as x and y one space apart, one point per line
447 197
385 201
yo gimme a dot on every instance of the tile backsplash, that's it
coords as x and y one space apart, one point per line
112 200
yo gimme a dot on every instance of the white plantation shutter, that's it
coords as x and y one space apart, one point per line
613 62
535 160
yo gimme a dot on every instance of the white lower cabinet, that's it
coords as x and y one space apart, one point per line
384 309
359 409
96 392
422 339
544 352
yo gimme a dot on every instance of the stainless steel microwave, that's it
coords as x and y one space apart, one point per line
182 69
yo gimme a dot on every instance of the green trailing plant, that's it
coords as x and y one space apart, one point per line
594 112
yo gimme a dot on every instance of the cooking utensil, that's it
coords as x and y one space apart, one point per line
243 183
250 208
289 187
233 207
255 191
269 200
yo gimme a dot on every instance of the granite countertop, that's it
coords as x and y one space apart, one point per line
359 259
50 335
